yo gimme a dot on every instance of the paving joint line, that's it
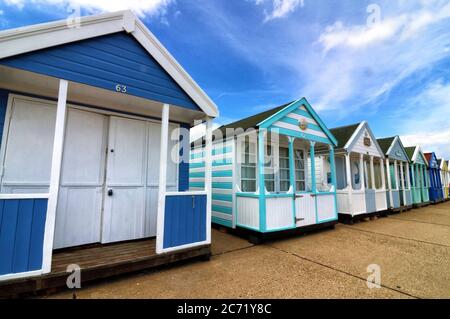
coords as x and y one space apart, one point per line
232 251
341 271
417 221
398 237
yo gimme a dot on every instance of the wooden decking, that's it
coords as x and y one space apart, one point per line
97 262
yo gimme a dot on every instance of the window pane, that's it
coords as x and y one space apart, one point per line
248 185
284 186
248 172
270 185
284 174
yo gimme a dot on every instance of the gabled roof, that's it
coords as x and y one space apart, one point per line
344 133
385 143
36 37
413 152
266 118
410 151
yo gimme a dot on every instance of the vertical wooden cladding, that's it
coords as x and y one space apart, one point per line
114 62
22 226
184 220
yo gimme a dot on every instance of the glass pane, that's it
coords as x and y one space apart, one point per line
270 185
248 186
284 152
299 175
284 174
284 186
300 186
248 172
284 163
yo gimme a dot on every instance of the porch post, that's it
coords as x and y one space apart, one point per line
361 172
389 182
333 168
262 185
208 177
408 176
349 181
58 143
413 171
396 175
402 176
383 176
372 172
292 164
162 179
313 166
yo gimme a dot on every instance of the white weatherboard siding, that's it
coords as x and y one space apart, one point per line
247 212
359 147
279 213
305 207
325 207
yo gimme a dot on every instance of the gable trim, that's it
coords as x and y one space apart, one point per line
397 139
358 132
290 108
418 151
31 38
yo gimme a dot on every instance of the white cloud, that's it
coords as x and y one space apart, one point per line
280 8
424 120
141 7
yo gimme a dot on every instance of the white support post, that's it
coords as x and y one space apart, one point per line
58 143
372 172
383 176
348 168
162 178
208 177
396 175
402 177
361 172
414 183
389 182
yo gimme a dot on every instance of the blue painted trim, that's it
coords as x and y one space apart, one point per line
248 227
280 229
291 107
301 135
262 195
221 221
222 209
217 151
249 195
104 62
280 195
222 197
302 113
327 220
197 165
183 166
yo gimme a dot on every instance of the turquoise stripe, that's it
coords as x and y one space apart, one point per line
223 150
223 185
292 121
226 173
197 184
197 155
223 197
302 113
221 221
197 174
222 209
221 162
301 135
196 165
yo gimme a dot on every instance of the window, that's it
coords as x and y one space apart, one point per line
300 178
284 169
269 170
248 166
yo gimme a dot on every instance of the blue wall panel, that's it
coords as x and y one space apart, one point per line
183 168
105 62
22 227
184 220
3 106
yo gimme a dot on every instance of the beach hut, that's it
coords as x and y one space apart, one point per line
418 176
265 177
361 183
434 175
95 121
398 194
447 184
444 177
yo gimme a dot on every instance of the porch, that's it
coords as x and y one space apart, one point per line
98 262
420 182
399 193
361 185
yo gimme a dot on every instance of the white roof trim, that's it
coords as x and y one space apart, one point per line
41 36
416 153
356 134
392 145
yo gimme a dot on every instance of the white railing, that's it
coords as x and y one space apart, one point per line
279 213
247 212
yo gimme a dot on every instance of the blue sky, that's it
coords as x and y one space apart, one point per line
386 62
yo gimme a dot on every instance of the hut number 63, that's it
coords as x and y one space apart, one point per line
121 88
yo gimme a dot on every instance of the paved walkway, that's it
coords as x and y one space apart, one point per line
412 249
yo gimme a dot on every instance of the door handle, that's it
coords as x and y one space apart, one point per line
110 192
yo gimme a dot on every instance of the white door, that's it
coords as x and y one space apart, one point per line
124 204
78 216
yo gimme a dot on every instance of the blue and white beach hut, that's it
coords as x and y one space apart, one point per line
264 177
88 115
